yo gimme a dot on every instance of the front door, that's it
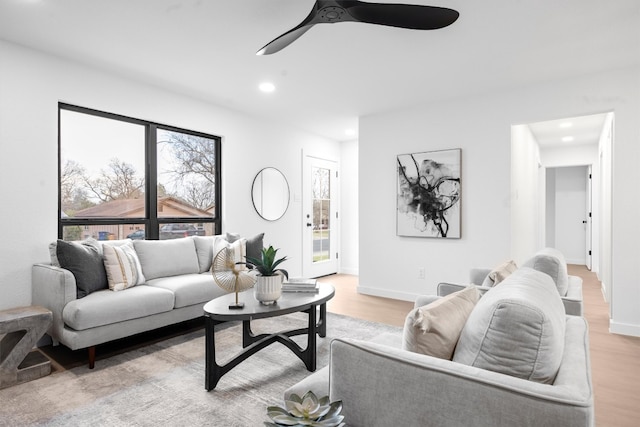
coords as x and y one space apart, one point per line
320 222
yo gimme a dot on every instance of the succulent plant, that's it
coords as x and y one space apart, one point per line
267 263
307 410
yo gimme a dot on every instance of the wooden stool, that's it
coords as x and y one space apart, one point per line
20 330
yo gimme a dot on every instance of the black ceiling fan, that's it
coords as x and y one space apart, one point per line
415 17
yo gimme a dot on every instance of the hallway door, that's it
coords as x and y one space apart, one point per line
571 218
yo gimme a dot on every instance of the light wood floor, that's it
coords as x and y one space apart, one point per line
615 359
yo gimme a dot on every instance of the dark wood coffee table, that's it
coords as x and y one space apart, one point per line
217 311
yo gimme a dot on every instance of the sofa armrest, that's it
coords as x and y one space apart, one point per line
381 385
53 288
445 289
424 300
573 300
477 275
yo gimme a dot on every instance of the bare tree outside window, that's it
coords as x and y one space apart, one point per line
187 168
103 171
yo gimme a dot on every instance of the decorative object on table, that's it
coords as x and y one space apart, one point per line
268 287
230 275
429 189
300 284
307 410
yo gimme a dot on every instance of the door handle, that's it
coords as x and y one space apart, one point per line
584 222
308 224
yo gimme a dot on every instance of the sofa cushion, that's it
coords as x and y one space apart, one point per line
189 289
106 307
434 329
516 329
204 250
85 262
164 258
122 266
551 261
499 273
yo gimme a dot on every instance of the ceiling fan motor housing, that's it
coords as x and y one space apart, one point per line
331 14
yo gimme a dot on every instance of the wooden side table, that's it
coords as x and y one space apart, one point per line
20 329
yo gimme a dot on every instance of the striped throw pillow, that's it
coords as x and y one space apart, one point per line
122 266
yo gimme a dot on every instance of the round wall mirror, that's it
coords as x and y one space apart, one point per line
270 194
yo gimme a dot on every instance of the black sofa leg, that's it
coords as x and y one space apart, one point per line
92 356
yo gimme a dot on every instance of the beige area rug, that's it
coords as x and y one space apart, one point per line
162 384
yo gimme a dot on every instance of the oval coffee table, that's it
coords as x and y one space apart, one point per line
218 311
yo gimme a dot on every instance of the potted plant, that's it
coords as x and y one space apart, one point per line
268 287
307 410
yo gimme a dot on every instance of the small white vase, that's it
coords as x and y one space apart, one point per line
268 289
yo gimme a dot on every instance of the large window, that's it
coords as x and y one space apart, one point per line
127 178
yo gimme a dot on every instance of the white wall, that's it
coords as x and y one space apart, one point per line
527 184
32 84
605 189
481 126
550 208
348 260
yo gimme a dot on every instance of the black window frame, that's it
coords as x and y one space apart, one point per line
151 221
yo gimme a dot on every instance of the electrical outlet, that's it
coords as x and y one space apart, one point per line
421 273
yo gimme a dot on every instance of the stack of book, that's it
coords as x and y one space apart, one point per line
298 284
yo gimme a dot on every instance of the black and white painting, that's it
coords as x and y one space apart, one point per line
428 202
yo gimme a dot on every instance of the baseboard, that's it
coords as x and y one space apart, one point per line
576 261
624 329
376 292
351 271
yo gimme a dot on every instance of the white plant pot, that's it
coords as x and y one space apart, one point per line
268 289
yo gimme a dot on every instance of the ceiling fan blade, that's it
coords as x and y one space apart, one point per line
415 17
284 40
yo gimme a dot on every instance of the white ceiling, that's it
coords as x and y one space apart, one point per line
584 130
335 72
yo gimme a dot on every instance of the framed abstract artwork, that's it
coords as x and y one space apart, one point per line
429 190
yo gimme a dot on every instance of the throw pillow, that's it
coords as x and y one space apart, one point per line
122 266
237 250
85 262
501 272
254 244
516 329
53 249
434 329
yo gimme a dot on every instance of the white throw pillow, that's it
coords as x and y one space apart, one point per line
237 250
122 266
500 273
434 329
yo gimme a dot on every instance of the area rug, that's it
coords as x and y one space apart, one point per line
163 383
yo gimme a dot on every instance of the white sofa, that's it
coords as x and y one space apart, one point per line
549 261
178 284
491 380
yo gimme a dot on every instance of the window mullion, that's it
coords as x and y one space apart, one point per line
152 182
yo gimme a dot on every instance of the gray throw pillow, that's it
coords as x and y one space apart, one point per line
85 262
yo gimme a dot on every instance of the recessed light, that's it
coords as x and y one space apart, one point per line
567 139
565 125
267 87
